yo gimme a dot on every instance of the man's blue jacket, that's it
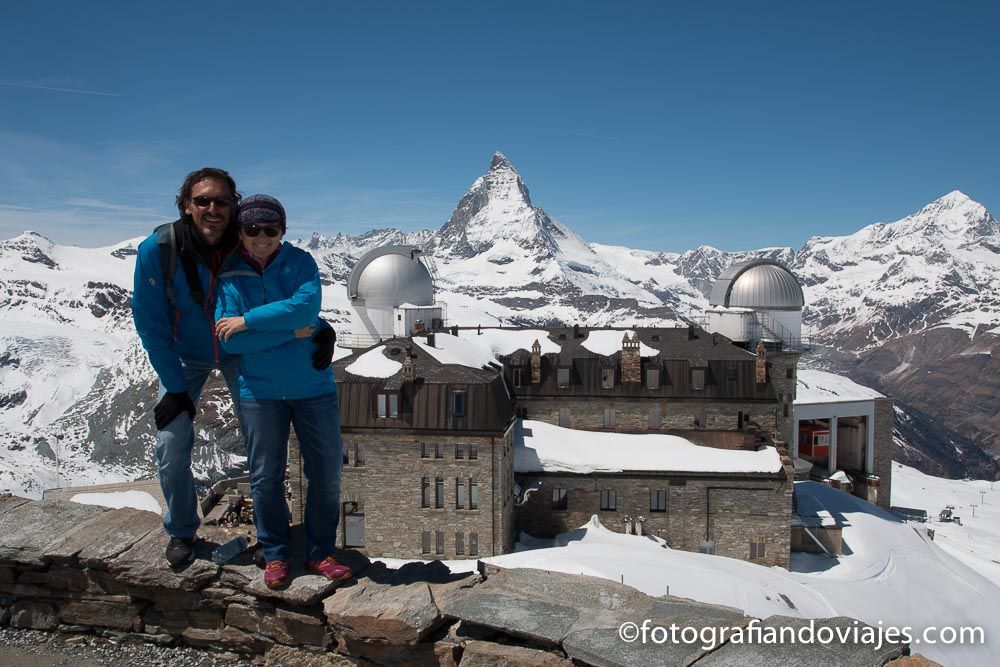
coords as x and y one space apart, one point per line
285 297
169 333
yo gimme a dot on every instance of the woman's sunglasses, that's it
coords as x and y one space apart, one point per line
254 229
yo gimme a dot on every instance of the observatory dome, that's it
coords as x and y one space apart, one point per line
761 284
390 276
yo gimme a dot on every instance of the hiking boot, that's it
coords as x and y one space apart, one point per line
180 551
276 574
330 568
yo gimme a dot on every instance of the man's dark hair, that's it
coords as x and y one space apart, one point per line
200 175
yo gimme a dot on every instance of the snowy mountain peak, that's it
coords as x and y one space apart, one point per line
500 161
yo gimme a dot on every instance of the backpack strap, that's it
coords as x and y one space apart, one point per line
166 243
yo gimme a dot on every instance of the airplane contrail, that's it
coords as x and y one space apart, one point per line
61 90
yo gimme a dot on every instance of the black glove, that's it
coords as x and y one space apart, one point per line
171 405
322 356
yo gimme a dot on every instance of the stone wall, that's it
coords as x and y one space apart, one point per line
81 569
882 452
731 511
634 415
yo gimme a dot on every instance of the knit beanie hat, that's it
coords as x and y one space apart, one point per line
261 208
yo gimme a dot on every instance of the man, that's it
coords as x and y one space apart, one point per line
173 306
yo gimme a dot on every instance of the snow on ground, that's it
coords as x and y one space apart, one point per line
539 446
374 364
824 387
891 574
607 342
139 500
977 541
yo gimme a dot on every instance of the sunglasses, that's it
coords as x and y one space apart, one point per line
205 202
254 229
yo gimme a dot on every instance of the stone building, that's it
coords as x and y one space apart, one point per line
428 460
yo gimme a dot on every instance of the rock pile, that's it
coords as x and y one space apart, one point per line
82 569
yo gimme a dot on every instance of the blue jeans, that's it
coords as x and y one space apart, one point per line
317 426
174 444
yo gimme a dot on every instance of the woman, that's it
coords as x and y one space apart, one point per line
267 308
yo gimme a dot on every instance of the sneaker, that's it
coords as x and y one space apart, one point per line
276 574
330 568
180 551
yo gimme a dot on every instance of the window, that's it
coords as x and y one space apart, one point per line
517 377
473 544
731 372
458 404
473 494
473 451
655 419
359 455
786 409
459 544
609 500
425 492
698 379
425 450
439 450
459 451
757 549
439 542
652 379
388 406
607 378
657 501
439 492
559 499
425 542
345 455
562 377
789 373
564 417
609 417
459 493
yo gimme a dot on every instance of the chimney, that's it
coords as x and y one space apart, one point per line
691 335
761 364
576 331
430 339
408 371
631 361
536 362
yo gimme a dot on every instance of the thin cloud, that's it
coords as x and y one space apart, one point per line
14 84
108 206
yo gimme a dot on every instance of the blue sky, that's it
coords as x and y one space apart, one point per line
658 125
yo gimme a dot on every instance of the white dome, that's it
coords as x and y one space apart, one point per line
760 284
390 276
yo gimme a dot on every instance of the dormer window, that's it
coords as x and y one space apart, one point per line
698 379
387 405
458 404
652 379
517 376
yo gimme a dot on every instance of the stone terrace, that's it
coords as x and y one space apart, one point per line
75 568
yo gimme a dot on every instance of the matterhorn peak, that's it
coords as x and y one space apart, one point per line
500 161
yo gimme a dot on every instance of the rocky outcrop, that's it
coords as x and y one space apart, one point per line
82 569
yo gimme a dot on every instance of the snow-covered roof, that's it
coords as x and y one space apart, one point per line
824 387
139 500
607 342
507 341
543 447
374 364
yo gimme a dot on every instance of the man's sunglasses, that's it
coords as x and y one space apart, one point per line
254 229
205 202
